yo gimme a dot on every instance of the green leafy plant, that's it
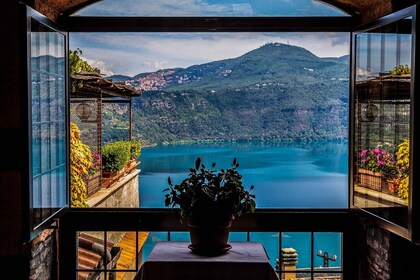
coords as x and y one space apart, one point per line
115 155
207 195
135 149
77 64
80 161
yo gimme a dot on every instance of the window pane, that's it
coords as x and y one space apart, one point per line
327 250
296 276
48 133
270 240
209 8
272 100
180 236
382 123
328 276
296 251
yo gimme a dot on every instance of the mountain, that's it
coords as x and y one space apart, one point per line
276 92
119 78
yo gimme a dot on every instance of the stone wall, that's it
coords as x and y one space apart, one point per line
43 256
377 265
123 194
386 256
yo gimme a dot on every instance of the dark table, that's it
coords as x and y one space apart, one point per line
175 261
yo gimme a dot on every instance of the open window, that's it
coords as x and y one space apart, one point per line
47 120
383 93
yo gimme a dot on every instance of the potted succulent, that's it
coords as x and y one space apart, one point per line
210 200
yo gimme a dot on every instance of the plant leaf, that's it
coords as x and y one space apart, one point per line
197 163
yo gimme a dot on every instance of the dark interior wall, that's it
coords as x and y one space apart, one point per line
384 255
12 251
405 258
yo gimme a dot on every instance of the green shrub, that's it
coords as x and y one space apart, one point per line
135 148
115 155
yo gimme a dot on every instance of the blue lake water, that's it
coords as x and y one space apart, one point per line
289 175
285 175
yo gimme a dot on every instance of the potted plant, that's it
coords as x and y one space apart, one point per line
375 165
210 200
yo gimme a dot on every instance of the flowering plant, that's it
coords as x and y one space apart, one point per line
378 160
96 163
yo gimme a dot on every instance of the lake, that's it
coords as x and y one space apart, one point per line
285 175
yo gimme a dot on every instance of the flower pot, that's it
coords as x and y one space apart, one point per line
112 174
209 238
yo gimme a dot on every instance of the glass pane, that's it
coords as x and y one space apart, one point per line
237 236
327 250
209 8
151 241
382 124
296 276
124 254
328 276
48 122
295 251
270 240
180 236
283 117
90 250
121 275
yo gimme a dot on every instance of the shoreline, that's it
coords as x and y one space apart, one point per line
278 141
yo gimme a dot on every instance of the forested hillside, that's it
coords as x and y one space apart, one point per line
276 92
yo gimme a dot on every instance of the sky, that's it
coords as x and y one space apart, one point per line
133 53
209 8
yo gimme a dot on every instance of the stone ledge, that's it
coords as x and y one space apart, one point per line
104 193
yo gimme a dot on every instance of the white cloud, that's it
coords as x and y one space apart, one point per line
101 65
165 7
363 73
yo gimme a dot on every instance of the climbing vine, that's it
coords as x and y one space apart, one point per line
80 161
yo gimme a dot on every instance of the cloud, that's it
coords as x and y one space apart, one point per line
207 8
133 53
363 73
165 7
156 64
101 65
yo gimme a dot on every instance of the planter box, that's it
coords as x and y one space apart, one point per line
93 183
109 174
110 178
370 179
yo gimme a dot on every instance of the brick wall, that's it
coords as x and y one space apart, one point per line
43 255
378 255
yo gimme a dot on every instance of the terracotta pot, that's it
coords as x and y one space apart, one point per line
209 239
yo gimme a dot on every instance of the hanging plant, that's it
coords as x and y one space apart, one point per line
80 161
